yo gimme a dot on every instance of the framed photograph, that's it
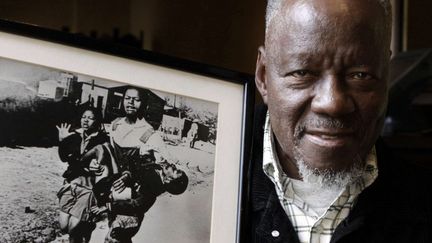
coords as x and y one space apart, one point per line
99 141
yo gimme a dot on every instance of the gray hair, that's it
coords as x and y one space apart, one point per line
274 5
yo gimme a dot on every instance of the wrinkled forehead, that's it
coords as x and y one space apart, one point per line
324 19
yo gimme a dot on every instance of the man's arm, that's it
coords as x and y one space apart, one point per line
95 158
155 145
140 204
150 187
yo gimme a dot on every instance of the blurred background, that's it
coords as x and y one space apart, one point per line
224 33
227 33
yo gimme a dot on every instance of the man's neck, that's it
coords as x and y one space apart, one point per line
131 119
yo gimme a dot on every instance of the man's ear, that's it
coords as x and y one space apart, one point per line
260 73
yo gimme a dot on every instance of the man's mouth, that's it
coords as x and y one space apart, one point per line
329 138
130 108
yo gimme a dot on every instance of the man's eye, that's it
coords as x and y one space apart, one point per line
299 73
361 76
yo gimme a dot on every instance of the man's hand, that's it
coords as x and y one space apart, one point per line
146 150
96 167
119 185
95 210
63 131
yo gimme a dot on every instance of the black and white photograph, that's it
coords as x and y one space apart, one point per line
86 159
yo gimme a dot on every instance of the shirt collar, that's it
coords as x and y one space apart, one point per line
80 131
139 123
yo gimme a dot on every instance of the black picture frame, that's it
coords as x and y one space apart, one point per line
39 46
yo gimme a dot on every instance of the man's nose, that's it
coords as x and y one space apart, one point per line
331 97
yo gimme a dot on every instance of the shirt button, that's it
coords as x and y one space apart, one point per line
275 233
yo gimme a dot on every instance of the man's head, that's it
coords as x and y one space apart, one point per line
133 102
175 180
323 74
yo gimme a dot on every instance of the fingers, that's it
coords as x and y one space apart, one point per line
120 189
94 209
96 168
97 210
99 172
118 182
119 185
64 126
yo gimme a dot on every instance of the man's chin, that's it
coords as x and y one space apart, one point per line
330 174
131 113
328 158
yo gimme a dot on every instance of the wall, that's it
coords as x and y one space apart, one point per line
224 33
79 15
220 32
418 33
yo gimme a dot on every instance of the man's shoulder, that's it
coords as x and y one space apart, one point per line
143 123
116 122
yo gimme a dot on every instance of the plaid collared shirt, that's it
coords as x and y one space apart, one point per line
311 227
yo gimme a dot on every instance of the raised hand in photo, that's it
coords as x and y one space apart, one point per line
64 131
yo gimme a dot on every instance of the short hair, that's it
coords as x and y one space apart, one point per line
274 5
96 113
178 185
142 96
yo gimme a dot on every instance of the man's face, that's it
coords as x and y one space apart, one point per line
170 173
132 102
323 75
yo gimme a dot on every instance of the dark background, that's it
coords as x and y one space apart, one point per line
224 33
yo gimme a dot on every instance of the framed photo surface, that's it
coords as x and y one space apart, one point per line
190 118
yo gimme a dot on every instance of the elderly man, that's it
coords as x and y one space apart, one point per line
317 173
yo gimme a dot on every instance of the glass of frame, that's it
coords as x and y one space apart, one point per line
190 120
